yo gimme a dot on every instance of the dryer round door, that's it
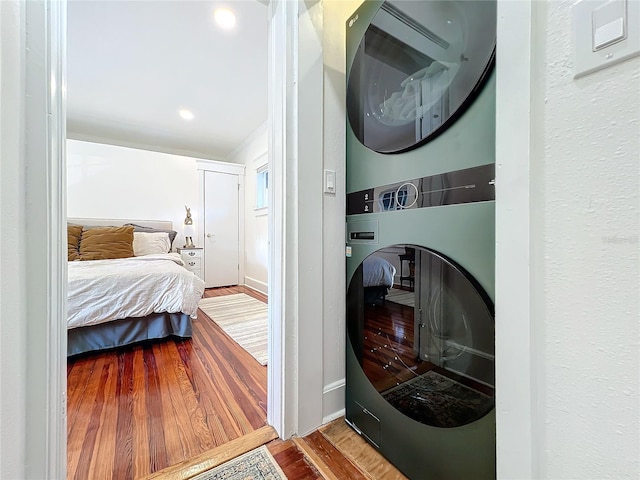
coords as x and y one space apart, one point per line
423 332
416 69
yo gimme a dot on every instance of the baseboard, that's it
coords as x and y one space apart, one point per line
333 401
332 417
257 285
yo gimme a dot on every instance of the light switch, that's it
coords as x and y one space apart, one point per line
609 24
329 181
605 32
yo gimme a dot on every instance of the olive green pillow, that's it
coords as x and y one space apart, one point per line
102 243
74 232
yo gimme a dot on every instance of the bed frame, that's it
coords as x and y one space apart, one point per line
375 295
126 331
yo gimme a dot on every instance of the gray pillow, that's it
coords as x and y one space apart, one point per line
140 228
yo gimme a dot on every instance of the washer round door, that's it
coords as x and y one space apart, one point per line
417 67
426 340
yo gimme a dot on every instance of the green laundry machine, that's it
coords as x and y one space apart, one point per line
420 224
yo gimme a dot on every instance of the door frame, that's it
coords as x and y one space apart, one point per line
44 56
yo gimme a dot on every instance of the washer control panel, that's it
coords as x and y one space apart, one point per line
461 186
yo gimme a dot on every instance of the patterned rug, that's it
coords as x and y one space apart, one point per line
402 297
257 464
436 400
243 318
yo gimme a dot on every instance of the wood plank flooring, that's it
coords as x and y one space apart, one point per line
137 410
172 409
333 452
292 461
217 456
358 452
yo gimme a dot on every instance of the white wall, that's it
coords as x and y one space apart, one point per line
307 234
567 309
253 154
107 181
336 13
585 224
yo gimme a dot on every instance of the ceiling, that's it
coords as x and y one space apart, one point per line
132 65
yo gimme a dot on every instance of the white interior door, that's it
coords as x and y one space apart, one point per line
221 229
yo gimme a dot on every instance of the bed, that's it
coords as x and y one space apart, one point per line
377 278
125 298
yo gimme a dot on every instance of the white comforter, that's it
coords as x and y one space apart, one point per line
377 272
105 290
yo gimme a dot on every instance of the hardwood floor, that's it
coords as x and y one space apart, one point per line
216 292
292 461
172 409
137 410
346 455
333 452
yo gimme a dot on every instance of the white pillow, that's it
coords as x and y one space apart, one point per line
150 243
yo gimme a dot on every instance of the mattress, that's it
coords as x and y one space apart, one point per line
377 271
106 290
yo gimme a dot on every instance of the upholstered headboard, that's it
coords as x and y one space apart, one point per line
117 222
76 242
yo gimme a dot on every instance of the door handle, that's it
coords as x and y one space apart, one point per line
209 235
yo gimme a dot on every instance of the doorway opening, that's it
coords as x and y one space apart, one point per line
120 362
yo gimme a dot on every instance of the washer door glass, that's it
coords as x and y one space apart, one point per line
423 333
418 66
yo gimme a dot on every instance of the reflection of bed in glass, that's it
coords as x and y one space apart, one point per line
377 279
432 361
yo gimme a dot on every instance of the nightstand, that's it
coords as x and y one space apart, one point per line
192 258
408 256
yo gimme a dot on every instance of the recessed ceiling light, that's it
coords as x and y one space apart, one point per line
225 18
186 114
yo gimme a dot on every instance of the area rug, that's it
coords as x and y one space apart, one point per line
257 464
402 297
243 318
436 400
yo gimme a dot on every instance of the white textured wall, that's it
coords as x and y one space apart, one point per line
585 230
253 154
107 181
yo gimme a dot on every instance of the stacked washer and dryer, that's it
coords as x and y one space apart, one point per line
420 234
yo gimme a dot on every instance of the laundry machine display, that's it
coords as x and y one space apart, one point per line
420 169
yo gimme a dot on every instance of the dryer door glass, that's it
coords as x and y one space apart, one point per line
417 67
423 332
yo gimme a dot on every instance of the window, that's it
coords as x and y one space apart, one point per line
262 187
387 200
